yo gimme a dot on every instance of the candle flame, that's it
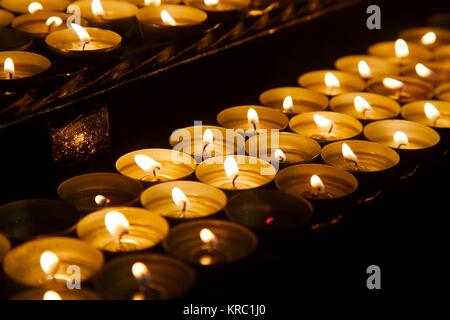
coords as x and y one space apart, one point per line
54 21
400 138
208 137
331 81
179 198
49 262
140 272
364 69
116 223
35 7
401 48
207 236
152 2
431 112
361 104
423 71
392 83
81 32
167 18
252 117
428 38
101 200
146 163
316 183
8 68
51 295
211 2
322 122
138 296
288 104
348 154
279 155
97 8
231 167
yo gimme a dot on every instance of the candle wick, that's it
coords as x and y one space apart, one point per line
364 113
354 162
183 210
435 121
120 240
401 145
155 173
254 126
204 148
234 182
9 75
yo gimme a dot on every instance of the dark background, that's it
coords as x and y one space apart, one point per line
405 233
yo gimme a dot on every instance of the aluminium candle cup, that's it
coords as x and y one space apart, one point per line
339 191
21 6
203 200
146 230
296 148
93 191
381 106
5 18
190 22
175 165
13 40
190 141
378 66
38 294
344 126
253 173
304 100
315 80
225 12
422 140
5 246
269 211
22 264
232 242
386 49
416 35
28 219
120 16
439 72
411 89
169 278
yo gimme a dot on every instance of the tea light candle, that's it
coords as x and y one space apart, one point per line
326 126
430 37
93 191
28 219
145 277
145 3
18 66
183 199
360 156
13 40
365 106
293 100
21 6
210 242
43 294
366 66
122 229
331 82
402 134
269 210
221 10
169 22
5 18
294 148
5 246
443 92
235 172
252 119
46 261
435 72
202 141
118 16
156 165
401 89
316 182
433 113
400 52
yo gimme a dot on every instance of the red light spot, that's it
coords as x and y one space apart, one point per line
269 220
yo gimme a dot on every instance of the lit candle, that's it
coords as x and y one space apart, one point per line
401 89
432 113
367 66
51 295
148 165
118 226
231 170
22 6
18 65
60 294
427 36
331 82
401 52
180 200
435 72
143 277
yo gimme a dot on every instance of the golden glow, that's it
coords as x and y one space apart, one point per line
138 296
49 262
208 137
316 183
97 8
392 83
364 69
179 198
207 236
288 104
361 105
211 2
231 167
152 2
322 122
8 68
35 7
431 112
252 117
331 81
167 18
400 138
140 272
423 71
401 48
348 154
82 34
146 163
53 22
428 38
116 223
206 260
279 155
51 295
101 200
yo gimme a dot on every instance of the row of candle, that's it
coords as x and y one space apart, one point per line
209 242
